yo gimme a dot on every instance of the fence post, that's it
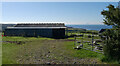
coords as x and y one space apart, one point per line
82 40
75 41
92 41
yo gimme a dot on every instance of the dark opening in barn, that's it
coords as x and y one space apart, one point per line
51 30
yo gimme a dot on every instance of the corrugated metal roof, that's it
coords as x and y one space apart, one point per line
40 25
34 27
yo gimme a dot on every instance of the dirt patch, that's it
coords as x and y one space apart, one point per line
67 40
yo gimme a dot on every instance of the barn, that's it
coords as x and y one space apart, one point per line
50 30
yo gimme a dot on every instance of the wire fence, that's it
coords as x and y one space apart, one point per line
88 42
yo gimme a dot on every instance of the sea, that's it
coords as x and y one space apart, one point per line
91 27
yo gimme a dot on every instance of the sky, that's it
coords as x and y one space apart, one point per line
67 12
59 0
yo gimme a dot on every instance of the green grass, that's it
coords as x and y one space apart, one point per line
109 61
13 52
24 38
9 51
82 53
0 49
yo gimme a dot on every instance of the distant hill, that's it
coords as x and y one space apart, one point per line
4 26
69 29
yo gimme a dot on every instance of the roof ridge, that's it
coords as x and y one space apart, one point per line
40 25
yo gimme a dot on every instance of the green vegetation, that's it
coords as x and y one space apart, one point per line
112 42
11 50
82 53
73 31
33 50
0 49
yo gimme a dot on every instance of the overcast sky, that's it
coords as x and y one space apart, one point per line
67 12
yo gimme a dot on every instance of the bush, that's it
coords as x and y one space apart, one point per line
112 44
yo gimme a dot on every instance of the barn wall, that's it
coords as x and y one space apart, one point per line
29 32
14 32
44 32
52 33
58 33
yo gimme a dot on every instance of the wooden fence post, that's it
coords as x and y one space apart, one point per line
92 41
75 41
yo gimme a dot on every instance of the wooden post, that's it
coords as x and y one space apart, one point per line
78 32
75 41
82 40
92 41
71 32
67 32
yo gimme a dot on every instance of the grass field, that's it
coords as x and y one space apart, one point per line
31 50
0 49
